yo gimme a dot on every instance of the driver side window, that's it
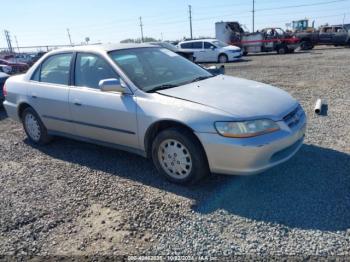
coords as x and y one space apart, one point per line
90 69
208 45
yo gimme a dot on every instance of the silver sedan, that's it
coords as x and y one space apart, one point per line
153 102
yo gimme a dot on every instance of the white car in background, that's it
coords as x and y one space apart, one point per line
212 50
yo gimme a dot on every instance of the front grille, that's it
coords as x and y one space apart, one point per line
294 117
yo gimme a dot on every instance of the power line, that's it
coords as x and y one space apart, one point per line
70 39
8 40
141 26
303 5
253 16
190 13
17 44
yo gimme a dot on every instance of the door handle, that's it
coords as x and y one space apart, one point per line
77 104
34 96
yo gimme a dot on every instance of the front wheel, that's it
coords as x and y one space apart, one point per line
306 45
179 156
282 50
34 127
223 59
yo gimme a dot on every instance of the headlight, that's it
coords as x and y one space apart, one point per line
247 128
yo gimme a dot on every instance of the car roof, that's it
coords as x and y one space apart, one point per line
103 47
199 40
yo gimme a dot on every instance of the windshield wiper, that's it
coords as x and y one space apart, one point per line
161 87
200 78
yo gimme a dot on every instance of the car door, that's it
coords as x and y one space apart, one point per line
108 117
48 92
198 51
340 36
326 35
211 52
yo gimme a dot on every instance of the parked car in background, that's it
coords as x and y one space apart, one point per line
153 102
183 52
3 78
17 67
5 69
212 50
19 58
189 55
35 57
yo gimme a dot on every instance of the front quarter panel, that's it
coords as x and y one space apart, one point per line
155 107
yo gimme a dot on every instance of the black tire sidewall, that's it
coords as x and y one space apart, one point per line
284 48
223 55
200 167
44 137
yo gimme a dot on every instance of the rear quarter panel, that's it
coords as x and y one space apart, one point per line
16 88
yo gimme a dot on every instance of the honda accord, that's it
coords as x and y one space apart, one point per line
153 102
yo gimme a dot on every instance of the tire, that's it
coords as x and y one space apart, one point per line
222 59
282 50
34 127
173 144
306 45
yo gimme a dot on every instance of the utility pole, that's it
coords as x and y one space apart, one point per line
190 13
17 44
253 11
8 40
70 39
141 26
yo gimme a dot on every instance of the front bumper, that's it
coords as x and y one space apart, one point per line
234 56
248 156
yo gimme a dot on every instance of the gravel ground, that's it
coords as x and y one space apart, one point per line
73 198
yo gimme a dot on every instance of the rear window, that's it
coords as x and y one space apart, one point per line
186 45
55 69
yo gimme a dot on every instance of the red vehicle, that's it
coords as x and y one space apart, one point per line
267 40
17 67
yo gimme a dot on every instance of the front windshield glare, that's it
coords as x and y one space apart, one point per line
151 68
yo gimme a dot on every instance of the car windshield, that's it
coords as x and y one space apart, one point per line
219 43
151 69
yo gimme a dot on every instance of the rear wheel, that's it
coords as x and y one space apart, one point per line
223 59
34 127
179 156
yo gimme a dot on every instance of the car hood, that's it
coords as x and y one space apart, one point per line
244 99
231 47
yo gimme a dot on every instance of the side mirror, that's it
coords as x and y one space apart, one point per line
212 47
111 85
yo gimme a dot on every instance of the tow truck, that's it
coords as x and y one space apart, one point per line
267 40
